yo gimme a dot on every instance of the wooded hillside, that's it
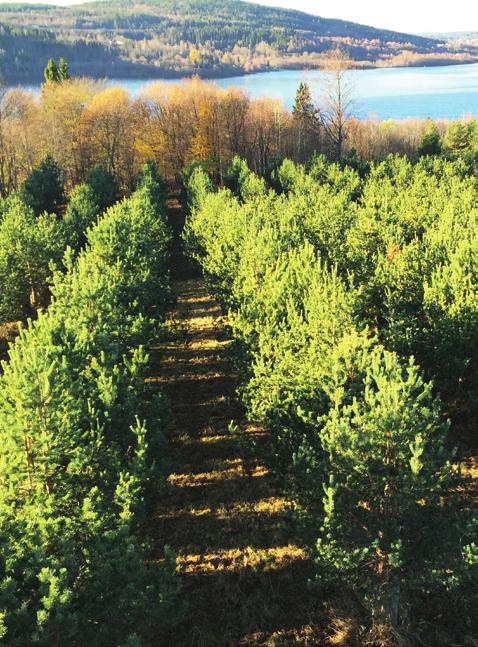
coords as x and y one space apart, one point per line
207 37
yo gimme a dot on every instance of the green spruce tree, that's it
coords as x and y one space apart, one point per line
305 116
63 70
431 141
43 188
51 72
104 186
457 137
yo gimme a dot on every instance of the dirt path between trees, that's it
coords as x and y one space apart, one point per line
242 579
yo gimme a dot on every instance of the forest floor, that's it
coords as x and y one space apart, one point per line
242 578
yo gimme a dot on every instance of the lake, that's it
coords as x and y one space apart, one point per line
386 93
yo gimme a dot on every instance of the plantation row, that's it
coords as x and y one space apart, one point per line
33 238
353 301
81 445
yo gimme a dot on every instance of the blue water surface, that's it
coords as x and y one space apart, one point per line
386 93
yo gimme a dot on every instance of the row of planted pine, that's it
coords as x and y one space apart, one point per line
81 443
353 300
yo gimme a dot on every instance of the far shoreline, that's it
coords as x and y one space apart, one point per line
150 73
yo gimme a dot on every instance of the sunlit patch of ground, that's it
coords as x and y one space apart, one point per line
238 559
203 478
470 468
469 492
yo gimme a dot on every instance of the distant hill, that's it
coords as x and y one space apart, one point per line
457 39
207 37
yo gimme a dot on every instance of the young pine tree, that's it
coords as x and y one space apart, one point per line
198 185
236 174
28 245
104 186
150 178
389 524
81 213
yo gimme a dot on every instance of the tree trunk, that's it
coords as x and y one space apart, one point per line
390 605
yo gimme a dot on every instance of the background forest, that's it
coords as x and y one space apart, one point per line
82 123
210 38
